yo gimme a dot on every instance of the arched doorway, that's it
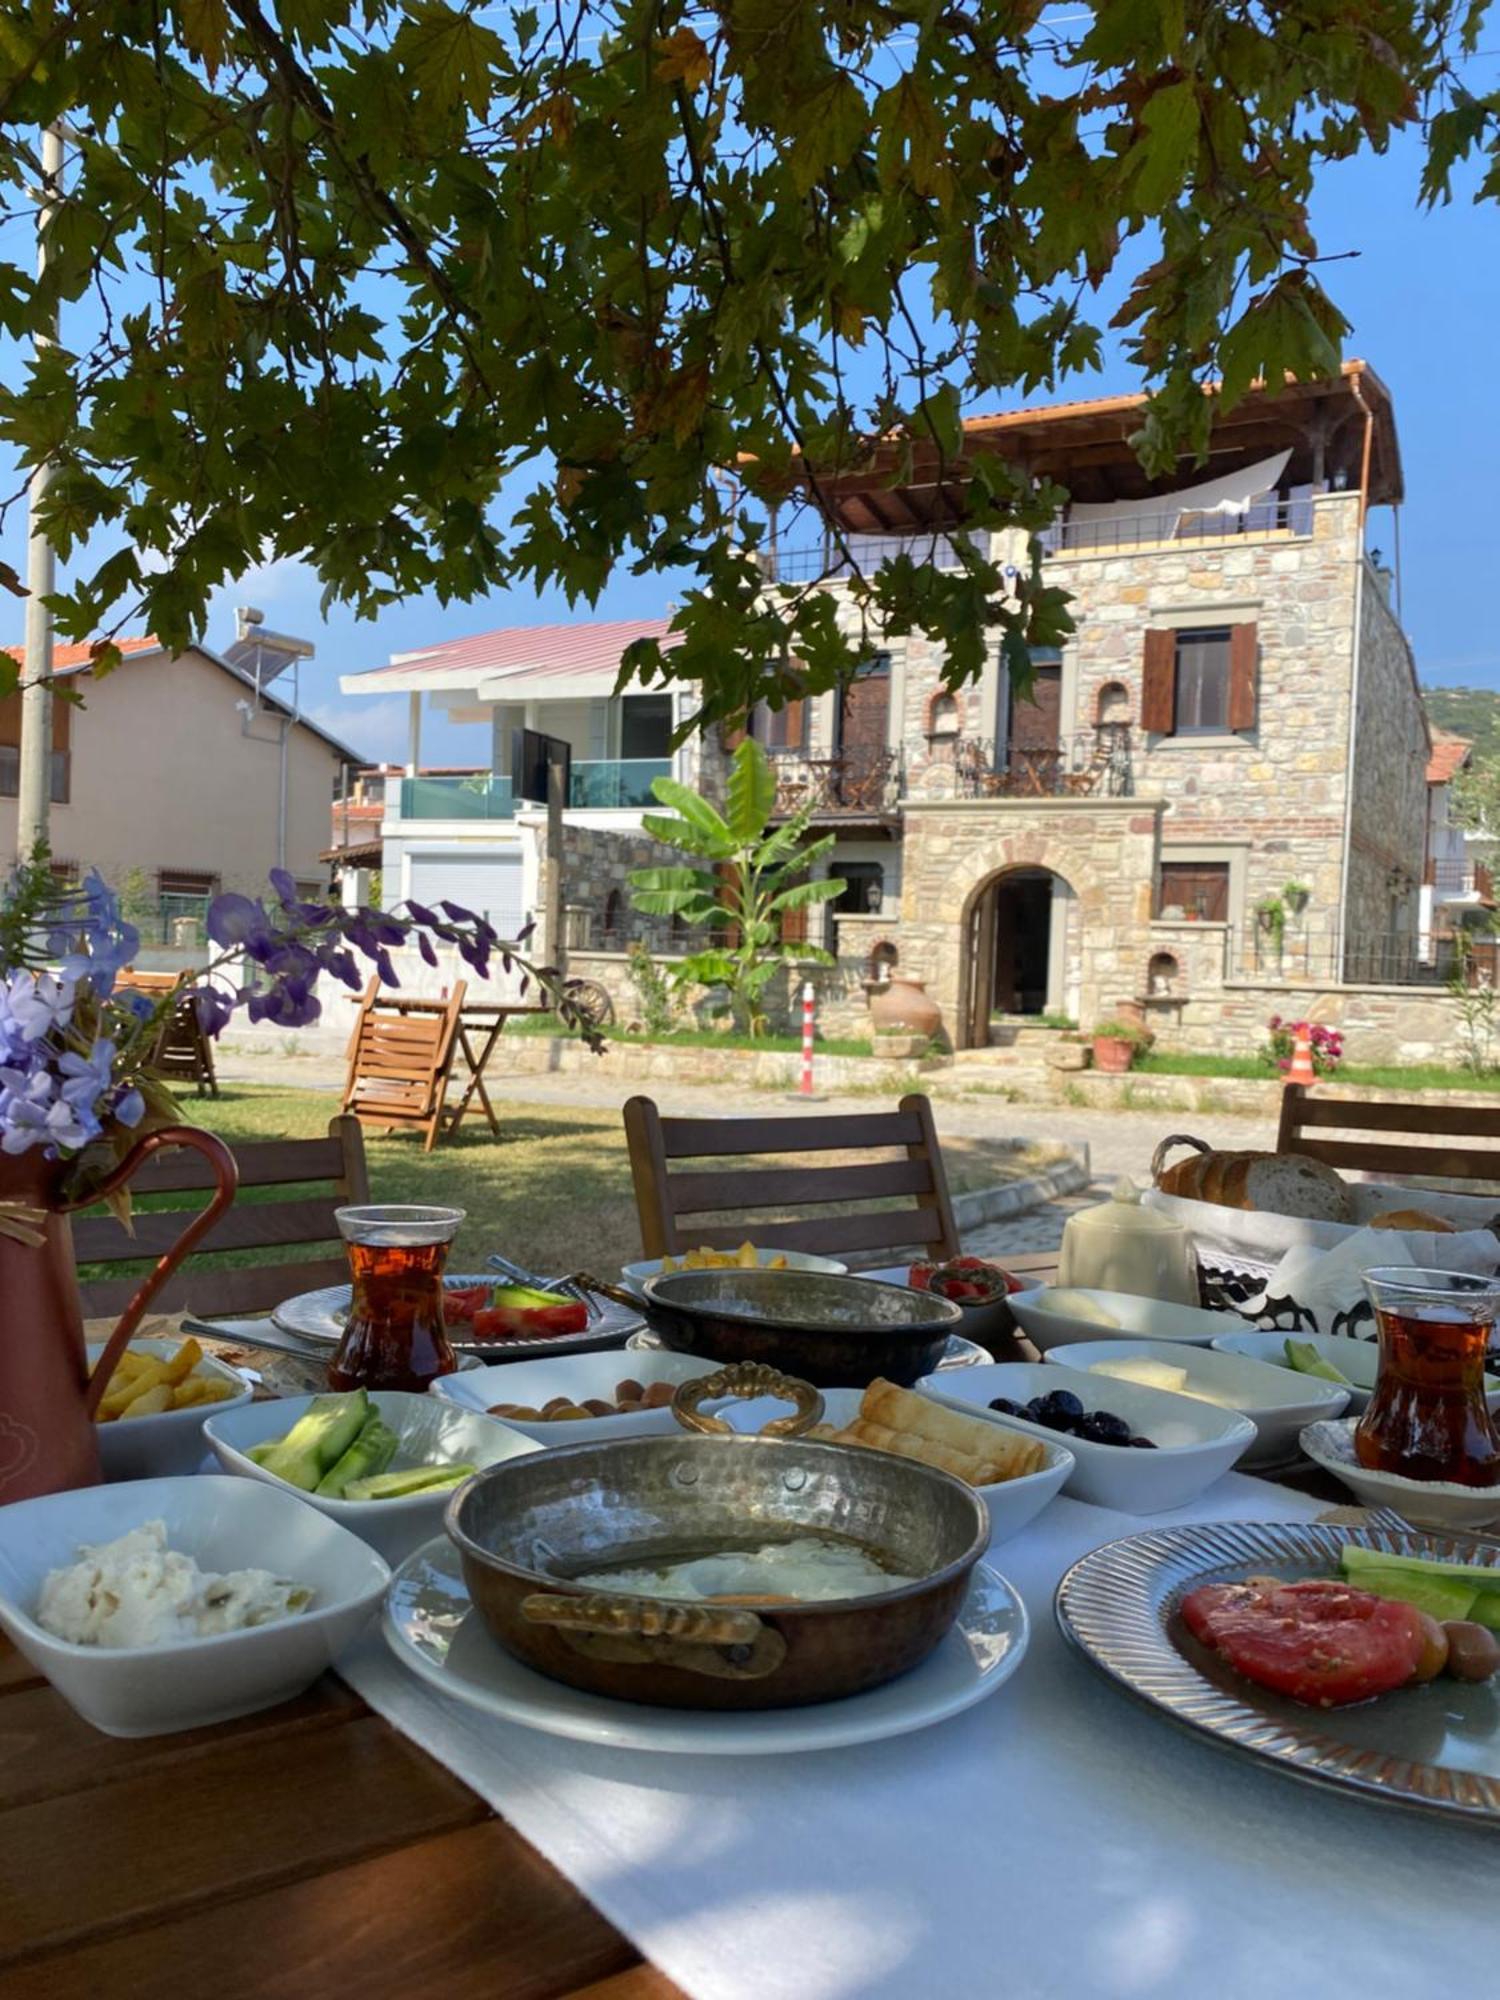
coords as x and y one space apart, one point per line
1017 957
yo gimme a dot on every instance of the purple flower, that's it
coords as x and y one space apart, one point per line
213 1007
233 919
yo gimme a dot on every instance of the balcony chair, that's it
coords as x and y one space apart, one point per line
328 1172
1422 1145
732 1195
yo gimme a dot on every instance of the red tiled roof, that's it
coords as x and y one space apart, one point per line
556 649
75 659
1449 755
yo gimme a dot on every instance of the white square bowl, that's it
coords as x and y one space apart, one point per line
1055 1314
429 1432
1358 1359
575 1376
1012 1503
223 1524
1195 1443
1278 1401
172 1441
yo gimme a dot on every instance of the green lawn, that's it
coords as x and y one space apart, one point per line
553 1191
1412 1076
701 1038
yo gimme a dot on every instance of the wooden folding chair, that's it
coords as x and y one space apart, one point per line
182 1052
1424 1144
330 1172
665 1199
399 1064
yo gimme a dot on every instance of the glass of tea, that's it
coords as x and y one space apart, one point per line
395 1337
1427 1417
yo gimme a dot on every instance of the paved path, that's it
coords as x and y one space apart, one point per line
1119 1142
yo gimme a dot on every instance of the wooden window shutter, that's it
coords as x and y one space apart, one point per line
1159 683
1244 659
732 735
792 725
794 922
729 875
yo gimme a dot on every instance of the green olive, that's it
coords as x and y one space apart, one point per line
1434 1649
1473 1651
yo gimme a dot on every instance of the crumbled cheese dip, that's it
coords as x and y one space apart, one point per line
138 1592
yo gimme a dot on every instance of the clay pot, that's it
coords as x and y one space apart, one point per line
902 1005
1113 1054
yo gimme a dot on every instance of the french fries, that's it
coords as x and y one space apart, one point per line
746 1258
144 1385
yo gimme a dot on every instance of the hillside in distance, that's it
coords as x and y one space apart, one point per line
1470 712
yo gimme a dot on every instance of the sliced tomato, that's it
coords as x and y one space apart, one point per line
461 1302
1317 1641
530 1322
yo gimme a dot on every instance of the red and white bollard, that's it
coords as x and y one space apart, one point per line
805 1087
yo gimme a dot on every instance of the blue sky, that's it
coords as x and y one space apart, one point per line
1423 294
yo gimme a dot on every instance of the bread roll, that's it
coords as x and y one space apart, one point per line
1411 1218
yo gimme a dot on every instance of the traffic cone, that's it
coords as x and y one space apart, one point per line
1302 1070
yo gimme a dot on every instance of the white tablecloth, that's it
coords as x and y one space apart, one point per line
1057 1840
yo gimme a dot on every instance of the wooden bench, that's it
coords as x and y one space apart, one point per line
334 1166
399 1064
1411 1138
664 1198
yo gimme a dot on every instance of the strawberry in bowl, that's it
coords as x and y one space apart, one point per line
981 1289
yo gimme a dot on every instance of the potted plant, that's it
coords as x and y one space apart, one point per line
1116 1044
1295 895
1270 913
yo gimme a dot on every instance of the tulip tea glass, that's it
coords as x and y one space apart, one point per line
1427 1417
395 1337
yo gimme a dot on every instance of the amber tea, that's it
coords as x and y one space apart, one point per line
395 1337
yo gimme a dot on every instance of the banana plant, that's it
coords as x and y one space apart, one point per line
748 878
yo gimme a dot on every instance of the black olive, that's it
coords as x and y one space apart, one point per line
1006 1407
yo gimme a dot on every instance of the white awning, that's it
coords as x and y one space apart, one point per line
1231 493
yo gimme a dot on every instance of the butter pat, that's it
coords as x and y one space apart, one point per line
1148 1372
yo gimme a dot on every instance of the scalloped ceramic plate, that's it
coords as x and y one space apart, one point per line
320 1316
1435 1747
1429 1503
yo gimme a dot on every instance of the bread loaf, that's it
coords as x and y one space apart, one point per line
1272 1183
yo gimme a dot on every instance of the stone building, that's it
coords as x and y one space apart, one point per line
1217 787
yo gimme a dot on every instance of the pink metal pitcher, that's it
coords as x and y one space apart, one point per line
47 1395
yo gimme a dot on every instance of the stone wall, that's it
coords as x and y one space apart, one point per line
1388 809
1380 1024
1104 849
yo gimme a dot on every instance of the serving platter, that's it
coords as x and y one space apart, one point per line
959 1353
320 1315
432 1628
1435 1748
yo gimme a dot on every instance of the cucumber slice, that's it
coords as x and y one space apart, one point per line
1441 1597
1362 1566
1305 1358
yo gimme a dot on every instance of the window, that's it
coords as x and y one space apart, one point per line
864 885
1200 681
1197 889
186 882
612 913
780 728
646 726
10 774
1202 703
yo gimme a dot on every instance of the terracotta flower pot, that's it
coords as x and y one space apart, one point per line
902 1005
1113 1054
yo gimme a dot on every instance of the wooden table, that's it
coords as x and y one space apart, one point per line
472 1014
310 1848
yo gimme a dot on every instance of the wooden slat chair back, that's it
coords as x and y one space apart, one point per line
334 1167
399 1064
732 1198
1396 1141
183 1053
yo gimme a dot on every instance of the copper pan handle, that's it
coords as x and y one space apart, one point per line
747 1380
718 1640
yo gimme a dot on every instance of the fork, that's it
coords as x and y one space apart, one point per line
564 1287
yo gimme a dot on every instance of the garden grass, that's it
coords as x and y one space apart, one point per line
553 1191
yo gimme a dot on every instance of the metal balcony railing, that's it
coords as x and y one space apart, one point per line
1176 524
847 783
485 796
619 782
1094 763
1456 881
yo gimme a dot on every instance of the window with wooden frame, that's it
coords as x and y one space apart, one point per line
10 749
1200 681
1198 889
185 882
781 728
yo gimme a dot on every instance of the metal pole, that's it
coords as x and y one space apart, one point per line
809 998
34 800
